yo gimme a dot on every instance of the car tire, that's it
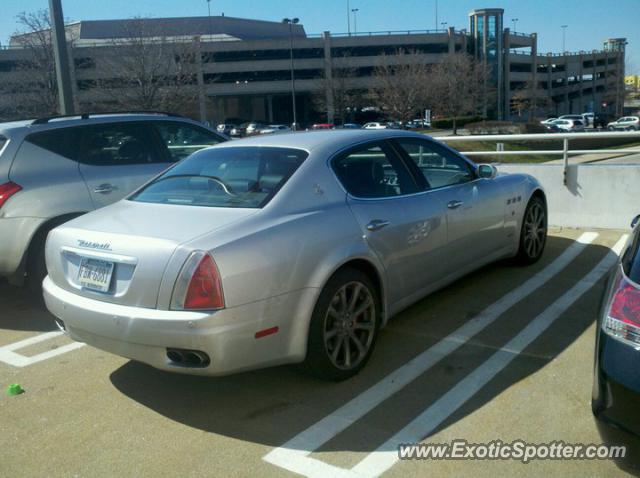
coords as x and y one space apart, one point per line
344 326
533 232
36 265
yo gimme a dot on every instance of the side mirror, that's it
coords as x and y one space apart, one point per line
635 221
487 171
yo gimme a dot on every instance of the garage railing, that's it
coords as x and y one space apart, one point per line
565 152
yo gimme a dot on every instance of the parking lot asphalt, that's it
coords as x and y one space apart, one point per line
503 354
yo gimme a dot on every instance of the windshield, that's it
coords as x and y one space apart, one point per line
243 177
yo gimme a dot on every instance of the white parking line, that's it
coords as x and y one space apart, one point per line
386 455
9 355
293 455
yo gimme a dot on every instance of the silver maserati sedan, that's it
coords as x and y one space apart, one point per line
284 248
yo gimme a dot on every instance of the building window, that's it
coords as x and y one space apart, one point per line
377 50
272 75
84 63
520 67
261 55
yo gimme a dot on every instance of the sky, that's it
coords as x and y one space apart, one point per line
589 21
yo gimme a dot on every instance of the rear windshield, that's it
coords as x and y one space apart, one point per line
244 177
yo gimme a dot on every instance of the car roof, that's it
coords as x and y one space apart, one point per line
12 125
334 139
33 125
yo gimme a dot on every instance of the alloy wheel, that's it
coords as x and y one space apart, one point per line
535 230
349 325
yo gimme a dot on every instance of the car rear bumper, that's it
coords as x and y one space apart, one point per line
15 237
613 430
227 336
616 398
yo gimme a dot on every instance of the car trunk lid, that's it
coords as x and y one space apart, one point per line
118 254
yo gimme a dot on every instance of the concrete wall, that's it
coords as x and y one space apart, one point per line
596 196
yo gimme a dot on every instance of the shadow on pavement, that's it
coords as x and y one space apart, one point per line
19 310
273 405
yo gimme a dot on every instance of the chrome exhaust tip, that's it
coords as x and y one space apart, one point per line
188 358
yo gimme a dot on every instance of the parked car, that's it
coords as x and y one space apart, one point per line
251 253
548 121
55 169
239 131
568 125
626 123
275 128
616 387
375 125
601 120
349 126
412 125
225 128
323 126
589 118
581 118
553 128
254 128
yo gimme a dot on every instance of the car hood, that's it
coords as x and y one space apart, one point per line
139 239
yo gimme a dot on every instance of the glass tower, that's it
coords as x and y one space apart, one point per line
485 29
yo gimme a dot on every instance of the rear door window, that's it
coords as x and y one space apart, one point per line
3 141
116 144
438 166
243 177
373 171
183 139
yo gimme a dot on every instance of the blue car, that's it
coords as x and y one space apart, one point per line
616 388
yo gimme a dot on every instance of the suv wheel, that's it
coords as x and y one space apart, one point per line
36 266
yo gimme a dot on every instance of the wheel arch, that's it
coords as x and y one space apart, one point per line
367 266
39 235
538 192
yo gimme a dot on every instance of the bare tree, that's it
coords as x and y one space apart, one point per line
32 85
528 99
144 70
457 87
400 85
346 98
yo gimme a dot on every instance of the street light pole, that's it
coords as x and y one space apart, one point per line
436 14
209 15
443 24
515 22
291 22
348 18
61 55
564 31
355 20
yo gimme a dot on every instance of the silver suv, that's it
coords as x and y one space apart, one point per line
54 169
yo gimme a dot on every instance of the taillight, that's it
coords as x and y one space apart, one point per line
199 286
623 314
7 190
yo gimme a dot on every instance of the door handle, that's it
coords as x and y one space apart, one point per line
105 188
454 204
377 224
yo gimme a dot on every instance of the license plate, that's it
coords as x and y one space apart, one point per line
95 274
